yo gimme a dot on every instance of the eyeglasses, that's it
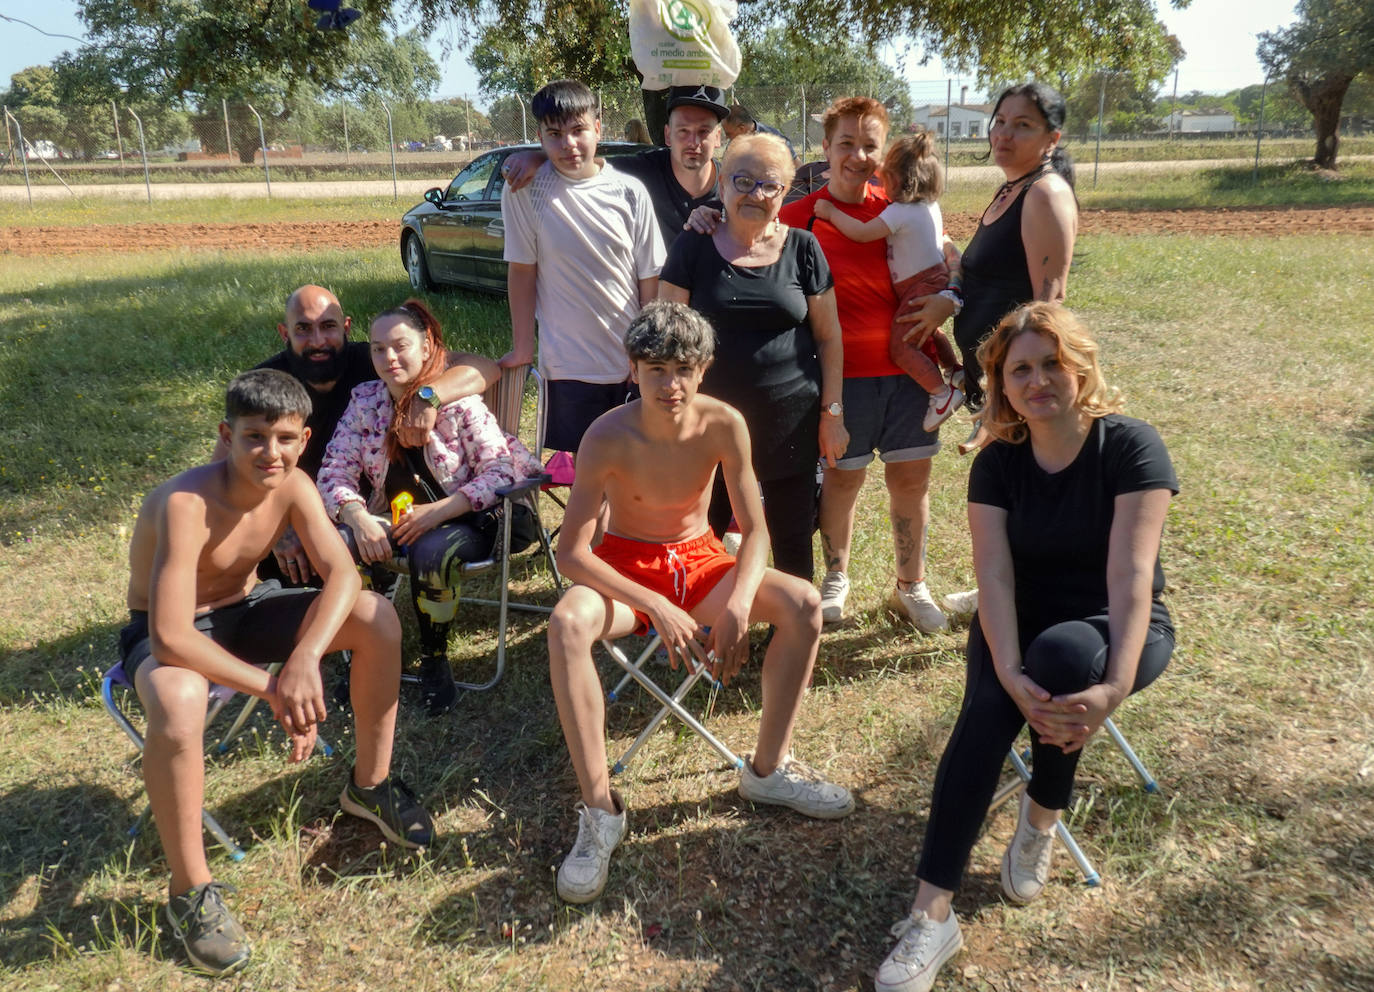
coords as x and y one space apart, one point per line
746 184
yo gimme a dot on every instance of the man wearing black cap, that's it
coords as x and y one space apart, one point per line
680 177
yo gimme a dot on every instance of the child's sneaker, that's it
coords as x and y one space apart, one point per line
797 787
582 875
916 602
940 407
214 941
393 808
923 946
1026 861
834 592
961 604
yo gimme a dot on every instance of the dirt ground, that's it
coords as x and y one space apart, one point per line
303 236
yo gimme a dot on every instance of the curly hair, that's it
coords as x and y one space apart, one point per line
1076 349
422 321
768 144
665 331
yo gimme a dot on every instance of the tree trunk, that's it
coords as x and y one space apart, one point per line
1323 96
655 113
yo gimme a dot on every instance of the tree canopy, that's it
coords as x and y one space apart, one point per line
1320 55
588 38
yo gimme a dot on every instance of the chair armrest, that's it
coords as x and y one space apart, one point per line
523 486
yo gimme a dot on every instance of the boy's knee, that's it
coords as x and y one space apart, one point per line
573 623
175 703
1065 658
376 612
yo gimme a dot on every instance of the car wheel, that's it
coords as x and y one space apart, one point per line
416 267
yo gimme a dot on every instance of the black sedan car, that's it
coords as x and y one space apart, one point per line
456 236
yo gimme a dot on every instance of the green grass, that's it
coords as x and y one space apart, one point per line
1254 869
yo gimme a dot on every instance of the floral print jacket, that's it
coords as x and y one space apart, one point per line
467 451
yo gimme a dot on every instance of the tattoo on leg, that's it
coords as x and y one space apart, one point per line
902 542
832 557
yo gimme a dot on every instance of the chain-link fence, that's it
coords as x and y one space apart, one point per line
427 142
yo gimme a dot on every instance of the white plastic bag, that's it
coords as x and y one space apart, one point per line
684 42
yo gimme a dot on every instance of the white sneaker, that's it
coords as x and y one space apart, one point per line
916 601
582 875
940 406
1026 861
834 591
961 604
797 787
923 945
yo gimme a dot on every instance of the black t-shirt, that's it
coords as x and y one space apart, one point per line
327 408
1059 524
672 205
766 365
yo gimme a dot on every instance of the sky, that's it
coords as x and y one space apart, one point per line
1218 37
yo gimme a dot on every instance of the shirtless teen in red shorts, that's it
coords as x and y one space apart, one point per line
653 461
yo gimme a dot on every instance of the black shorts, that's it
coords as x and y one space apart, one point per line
571 405
260 629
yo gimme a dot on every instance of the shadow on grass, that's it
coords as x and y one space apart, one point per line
1363 436
54 841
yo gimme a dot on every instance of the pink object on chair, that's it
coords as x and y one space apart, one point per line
560 469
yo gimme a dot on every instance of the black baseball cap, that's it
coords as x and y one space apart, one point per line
707 97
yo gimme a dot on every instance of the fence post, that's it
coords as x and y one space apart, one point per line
143 147
1101 107
949 100
23 154
524 127
343 108
228 141
1173 106
1259 131
262 143
391 141
119 138
805 139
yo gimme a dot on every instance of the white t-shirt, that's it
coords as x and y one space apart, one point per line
917 237
591 241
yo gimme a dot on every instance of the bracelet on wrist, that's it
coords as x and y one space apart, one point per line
953 297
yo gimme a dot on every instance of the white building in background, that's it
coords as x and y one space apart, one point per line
1199 121
964 120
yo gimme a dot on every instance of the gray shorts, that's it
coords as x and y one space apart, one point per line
885 414
260 629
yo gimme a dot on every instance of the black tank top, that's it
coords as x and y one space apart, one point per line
996 277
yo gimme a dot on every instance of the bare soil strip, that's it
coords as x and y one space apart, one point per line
295 237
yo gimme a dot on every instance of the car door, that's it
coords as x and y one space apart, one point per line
448 232
489 239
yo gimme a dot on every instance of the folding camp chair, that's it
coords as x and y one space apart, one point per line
670 704
505 399
220 696
1013 787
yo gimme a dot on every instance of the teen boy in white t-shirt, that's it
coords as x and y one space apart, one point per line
584 252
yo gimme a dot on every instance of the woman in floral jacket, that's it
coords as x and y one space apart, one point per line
452 481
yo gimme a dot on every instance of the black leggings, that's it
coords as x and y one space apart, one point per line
1067 657
789 510
433 561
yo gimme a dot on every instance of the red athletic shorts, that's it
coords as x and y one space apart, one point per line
684 572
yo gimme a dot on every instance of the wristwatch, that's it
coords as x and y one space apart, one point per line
835 409
428 394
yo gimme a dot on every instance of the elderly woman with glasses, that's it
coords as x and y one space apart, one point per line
767 291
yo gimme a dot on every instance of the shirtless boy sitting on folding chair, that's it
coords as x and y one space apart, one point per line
660 566
198 615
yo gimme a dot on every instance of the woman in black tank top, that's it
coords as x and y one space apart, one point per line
1022 248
